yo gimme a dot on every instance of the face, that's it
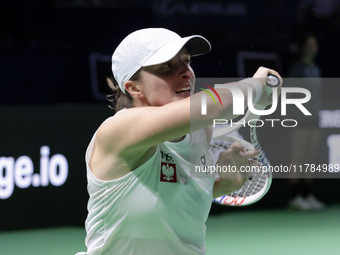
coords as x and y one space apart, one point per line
167 82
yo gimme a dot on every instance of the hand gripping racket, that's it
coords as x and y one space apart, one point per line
259 181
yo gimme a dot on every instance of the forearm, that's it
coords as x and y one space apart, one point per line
219 111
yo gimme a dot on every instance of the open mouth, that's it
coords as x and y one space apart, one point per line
183 90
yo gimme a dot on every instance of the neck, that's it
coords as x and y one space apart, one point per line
140 102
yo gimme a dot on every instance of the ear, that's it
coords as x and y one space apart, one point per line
133 89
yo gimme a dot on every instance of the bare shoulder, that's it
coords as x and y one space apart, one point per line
116 131
109 159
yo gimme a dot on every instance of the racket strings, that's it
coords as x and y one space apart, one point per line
252 186
256 181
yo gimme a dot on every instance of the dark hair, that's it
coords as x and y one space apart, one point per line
119 100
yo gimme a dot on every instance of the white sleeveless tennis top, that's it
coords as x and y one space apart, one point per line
160 208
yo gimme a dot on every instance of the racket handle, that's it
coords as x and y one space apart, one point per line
272 82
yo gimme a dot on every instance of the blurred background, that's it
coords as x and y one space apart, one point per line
54 60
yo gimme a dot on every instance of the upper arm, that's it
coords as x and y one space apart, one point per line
135 130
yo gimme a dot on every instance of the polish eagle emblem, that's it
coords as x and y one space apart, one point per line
168 172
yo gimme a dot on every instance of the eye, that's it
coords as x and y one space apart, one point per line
188 61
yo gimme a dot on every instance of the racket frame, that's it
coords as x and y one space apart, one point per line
272 82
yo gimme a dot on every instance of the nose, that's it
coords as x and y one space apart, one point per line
187 72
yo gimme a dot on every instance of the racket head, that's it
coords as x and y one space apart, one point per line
257 184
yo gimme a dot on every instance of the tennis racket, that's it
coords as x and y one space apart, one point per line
258 181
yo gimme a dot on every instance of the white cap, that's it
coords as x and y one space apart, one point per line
151 46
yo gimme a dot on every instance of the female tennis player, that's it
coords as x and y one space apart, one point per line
145 197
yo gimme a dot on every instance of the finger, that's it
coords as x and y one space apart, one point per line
271 71
235 146
227 152
238 147
243 152
254 162
253 153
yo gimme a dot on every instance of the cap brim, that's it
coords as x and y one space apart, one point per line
196 45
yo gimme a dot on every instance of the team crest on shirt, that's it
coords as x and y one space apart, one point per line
168 172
